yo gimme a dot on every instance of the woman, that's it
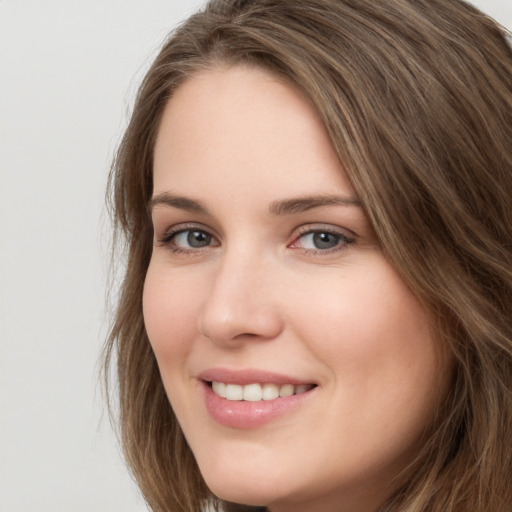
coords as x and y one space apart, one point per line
316 312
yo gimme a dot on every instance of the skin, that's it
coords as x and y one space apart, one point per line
261 294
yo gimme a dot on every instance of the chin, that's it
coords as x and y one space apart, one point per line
245 486
243 493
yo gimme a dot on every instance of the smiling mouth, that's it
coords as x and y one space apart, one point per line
257 392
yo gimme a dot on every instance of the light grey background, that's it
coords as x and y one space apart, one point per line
68 72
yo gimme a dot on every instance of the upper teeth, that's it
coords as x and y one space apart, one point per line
257 392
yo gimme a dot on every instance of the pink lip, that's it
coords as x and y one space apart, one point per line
247 415
249 376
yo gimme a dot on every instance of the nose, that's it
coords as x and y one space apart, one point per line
240 304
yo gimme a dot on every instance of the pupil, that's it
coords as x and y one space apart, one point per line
325 240
198 239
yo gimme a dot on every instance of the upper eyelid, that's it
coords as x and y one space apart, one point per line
296 233
188 226
319 227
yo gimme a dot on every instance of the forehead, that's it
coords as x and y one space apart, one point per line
243 127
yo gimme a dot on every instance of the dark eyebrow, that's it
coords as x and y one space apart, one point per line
280 207
302 204
182 203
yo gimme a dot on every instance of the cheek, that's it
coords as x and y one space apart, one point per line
361 312
170 309
375 338
386 372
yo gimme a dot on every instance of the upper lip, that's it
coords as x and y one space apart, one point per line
248 376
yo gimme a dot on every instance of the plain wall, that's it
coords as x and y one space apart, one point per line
68 72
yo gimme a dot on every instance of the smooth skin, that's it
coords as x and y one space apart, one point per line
245 276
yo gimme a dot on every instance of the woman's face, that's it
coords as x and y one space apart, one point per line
267 281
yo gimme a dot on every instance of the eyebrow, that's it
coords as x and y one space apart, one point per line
280 207
303 204
182 203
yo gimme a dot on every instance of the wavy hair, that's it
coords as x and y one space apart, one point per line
416 96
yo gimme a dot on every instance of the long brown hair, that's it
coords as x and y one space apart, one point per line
416 96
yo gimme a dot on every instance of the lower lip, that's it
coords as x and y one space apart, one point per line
243 414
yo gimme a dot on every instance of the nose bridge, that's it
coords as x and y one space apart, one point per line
239 302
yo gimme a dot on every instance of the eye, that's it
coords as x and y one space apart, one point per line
186 240
321 240
192 238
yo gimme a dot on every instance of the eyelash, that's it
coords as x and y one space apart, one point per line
343 240
167 240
